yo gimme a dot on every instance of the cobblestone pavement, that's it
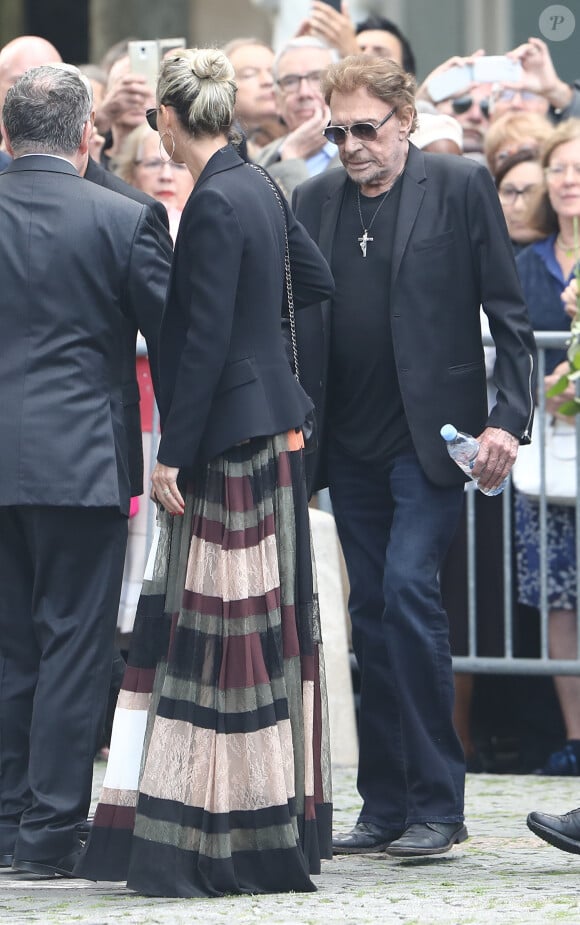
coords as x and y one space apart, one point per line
502 874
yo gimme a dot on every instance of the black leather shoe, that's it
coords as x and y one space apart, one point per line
6 860
50 867
561 831
426 838
363 839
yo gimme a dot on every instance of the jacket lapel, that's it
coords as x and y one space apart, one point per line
328 221
330 213
412 193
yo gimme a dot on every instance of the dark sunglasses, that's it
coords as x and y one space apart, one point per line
151 116
462 103
364 131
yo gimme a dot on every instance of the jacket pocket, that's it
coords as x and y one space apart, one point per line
237 373
466 367
438 240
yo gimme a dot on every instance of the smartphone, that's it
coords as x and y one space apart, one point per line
335 4
144 59
450 83
496 69
168 45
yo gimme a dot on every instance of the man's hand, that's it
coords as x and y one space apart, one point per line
307 139
164 488
497 453
337 29
539 75
454 61
130 91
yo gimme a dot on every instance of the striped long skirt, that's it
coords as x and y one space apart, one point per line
218 778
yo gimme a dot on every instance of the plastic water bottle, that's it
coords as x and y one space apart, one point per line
463 449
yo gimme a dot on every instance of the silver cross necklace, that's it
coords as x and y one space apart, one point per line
365 238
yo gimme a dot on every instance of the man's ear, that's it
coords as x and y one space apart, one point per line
406 120
4 134
86 136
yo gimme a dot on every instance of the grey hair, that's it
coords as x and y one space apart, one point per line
46 110
199 83
304 41
73 69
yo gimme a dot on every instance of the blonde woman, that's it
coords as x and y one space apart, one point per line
218 779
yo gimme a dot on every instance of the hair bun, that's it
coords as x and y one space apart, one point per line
212 64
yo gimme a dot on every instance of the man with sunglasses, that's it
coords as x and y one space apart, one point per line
472 112
540 87
416 242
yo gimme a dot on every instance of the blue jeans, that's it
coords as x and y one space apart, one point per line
395 528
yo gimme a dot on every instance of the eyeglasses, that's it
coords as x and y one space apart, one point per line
151 116
364 131
156 163
291 82
462 103
508 95
508 194
556 172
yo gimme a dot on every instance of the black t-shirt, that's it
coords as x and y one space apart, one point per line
367 419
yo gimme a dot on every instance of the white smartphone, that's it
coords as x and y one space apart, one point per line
450 83
144 59
167 45
496 69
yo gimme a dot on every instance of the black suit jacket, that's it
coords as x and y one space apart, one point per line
140 317
451 255
96 173
224 371
77 261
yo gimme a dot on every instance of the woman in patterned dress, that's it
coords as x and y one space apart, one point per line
219 780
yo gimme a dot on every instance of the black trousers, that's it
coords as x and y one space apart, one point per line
60 583
395 528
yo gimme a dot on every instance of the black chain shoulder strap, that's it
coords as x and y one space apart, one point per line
287 273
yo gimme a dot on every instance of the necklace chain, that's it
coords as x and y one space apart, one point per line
567 249
367 228
365 237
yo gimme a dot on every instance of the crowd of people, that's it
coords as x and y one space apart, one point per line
251 182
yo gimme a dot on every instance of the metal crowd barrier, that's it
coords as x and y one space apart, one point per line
509 663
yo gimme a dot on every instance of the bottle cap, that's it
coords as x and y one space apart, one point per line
448 432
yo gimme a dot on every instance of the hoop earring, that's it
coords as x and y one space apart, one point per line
162 150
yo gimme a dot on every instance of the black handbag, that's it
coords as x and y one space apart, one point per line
309 427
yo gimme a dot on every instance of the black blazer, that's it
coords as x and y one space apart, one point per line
140 316
96 173
77 261
224 371
451 255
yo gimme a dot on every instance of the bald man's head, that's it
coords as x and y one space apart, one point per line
21 54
